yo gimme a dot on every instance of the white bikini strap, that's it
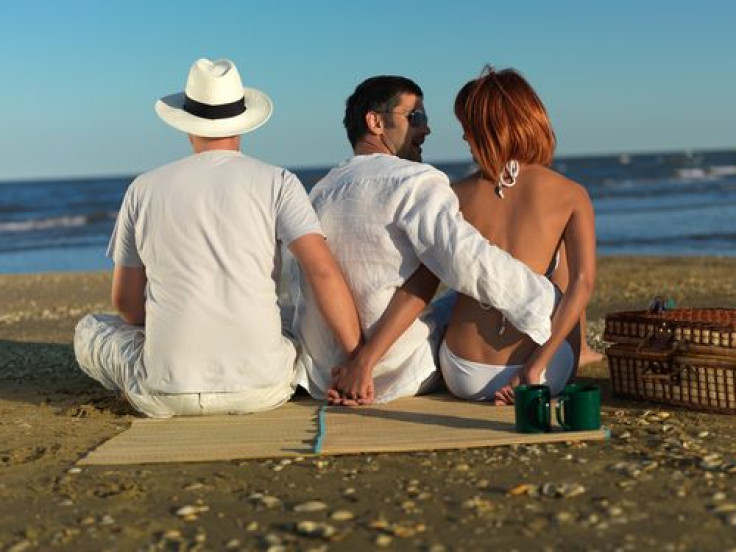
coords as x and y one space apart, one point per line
508 177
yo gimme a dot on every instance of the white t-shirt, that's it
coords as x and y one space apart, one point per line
208 228
383 217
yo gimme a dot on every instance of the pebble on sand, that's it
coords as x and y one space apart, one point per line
315 529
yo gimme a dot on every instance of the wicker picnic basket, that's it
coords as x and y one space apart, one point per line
685 357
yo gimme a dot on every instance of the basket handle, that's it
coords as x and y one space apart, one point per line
661 372
675 346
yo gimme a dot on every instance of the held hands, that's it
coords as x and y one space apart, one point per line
352 384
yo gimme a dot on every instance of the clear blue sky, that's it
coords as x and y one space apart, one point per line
80 77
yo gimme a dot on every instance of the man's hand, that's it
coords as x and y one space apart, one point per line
352 384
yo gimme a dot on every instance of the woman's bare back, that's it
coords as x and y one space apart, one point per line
529 223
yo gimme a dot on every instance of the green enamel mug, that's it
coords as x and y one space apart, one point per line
532 408
579 407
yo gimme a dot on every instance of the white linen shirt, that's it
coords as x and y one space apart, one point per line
383 217
207 229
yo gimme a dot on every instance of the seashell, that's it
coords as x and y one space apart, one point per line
342 515
311 506
315 529
564 517
172 534
725 508
524 489
649 465
383 541
267 501
711 461
188 510
404 531
572 489
380 524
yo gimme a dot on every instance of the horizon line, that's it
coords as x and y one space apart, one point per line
295 168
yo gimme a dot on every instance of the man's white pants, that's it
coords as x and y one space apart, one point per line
109 350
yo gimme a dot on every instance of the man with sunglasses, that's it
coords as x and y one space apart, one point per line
393 223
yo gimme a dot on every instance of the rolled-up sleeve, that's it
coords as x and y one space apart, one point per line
428 213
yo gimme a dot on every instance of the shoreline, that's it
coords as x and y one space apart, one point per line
626 282
648 487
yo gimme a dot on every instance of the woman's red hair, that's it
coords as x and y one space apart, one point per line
504 119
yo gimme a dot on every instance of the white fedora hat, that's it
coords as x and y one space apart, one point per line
215 103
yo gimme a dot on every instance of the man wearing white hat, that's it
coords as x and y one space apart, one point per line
196 253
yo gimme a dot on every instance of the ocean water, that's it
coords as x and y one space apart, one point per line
680 203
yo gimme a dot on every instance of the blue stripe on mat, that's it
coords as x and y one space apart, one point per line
321 430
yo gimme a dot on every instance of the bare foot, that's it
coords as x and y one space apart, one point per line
588 356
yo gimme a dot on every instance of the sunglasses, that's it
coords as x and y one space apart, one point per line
417 118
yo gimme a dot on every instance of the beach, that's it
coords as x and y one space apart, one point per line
664 481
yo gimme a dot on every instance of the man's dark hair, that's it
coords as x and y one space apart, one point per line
374 94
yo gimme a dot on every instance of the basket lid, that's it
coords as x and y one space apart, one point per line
723 319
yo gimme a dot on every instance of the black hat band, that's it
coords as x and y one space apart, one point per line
222 111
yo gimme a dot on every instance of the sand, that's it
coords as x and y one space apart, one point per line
663 482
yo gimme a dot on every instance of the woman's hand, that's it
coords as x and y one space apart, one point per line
532 372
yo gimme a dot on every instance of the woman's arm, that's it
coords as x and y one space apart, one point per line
579 242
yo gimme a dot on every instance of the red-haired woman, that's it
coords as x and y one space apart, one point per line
532 212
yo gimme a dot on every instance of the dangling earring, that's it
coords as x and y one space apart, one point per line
508 177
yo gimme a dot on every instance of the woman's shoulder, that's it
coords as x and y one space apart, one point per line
467 180
552 182
467 184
